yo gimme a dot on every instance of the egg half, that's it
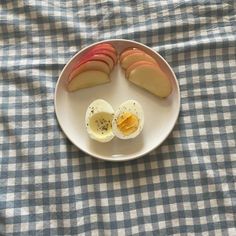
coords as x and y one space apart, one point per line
128 120
98 119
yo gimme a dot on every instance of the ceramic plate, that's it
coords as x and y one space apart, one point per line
160 114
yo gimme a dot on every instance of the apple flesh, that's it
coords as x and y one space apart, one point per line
90 65
135 57
87 79
151 78
136 64
128 51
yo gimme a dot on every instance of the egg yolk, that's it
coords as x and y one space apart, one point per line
127 123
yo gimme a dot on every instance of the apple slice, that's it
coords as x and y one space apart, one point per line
90 65
105 58
106 46
106 52
88 79
136 64
151 78
95 57
135 57
128 51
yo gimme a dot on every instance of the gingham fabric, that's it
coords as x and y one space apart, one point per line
187 186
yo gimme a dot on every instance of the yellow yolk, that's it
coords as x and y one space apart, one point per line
127 123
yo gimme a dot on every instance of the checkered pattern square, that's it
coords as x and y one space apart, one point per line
187 186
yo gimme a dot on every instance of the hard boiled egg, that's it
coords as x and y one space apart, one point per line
128 120
98 119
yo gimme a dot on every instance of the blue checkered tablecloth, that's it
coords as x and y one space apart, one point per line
185 187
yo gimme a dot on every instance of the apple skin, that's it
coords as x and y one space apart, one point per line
152 79
135 57
90 65
86 79
105 46
136 64
106 52
105 49
93 56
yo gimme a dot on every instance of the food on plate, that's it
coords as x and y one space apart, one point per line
134 57
128 120
90 65
106 46
143 70
93 68
136 64
88 79
106 52
98 119
128 51
151 78
94 56
103 124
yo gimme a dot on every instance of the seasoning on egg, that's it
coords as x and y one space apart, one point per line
98 118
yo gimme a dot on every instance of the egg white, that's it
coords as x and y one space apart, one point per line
99 109
133 107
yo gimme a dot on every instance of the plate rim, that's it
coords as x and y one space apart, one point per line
122 158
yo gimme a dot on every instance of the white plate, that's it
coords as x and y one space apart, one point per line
160 114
